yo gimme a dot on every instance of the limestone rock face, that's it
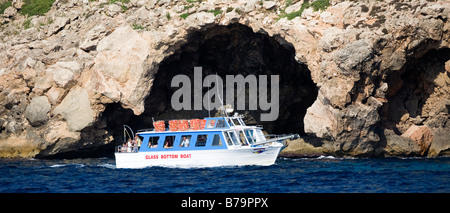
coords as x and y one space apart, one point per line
63 72
300 148
37 110
398 146
439 146
422 135
367 78
352 55
119 68
319 120
76 109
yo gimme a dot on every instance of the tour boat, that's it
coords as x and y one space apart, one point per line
209 142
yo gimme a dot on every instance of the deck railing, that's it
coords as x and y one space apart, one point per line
126 149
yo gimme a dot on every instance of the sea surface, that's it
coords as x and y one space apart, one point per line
322 175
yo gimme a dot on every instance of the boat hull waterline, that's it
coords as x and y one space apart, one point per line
261 156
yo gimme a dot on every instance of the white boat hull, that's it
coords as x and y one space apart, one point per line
241 156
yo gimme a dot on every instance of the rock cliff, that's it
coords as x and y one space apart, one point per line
357 78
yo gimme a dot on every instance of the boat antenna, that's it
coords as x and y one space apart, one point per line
125 132
224 112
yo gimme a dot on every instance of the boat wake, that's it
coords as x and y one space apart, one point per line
108 165
77 165
326 157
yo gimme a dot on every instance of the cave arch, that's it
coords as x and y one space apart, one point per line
226 50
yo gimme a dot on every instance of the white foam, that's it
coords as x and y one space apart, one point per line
77 165
326 157
108 165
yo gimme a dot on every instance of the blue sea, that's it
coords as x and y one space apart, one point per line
308 175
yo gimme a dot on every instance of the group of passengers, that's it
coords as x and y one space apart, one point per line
132 145
169 142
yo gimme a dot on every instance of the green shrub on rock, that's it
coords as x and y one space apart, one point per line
4 5
36 7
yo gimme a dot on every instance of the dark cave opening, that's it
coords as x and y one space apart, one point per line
417 93
226 50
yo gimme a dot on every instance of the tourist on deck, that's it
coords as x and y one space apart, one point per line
129 145
168 143
184 142
124 147
138 142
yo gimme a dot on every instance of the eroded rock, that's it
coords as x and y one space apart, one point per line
37 110
120 68
75 108
80 58
422 135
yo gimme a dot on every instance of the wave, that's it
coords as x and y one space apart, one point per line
77 165
321 157
57 165
108 165
326 157
308 158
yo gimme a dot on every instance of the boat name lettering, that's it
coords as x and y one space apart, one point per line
185 155
151 157
168 156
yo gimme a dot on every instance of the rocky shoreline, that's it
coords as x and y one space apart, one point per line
358 79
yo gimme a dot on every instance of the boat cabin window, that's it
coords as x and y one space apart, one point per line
236 122
210 123
233 137
242 122
201 140
221 123
230 122
168 142
216 140
258 135
227 138
182 141
243 139
250 135
185 139
153 142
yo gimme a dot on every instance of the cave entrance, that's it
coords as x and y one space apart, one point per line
227 50
418 94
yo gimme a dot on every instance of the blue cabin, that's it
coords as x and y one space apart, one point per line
218 133
182 140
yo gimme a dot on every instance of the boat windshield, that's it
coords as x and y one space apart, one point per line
227 138
241 121
258 135
234 138
250 135
221 123
230 122
244 141
236 122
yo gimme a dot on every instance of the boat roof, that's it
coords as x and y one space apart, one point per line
212 124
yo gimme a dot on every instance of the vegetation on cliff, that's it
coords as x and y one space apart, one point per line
28 7
317 5
4 5
36 7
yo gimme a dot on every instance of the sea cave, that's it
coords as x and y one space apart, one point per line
225 50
